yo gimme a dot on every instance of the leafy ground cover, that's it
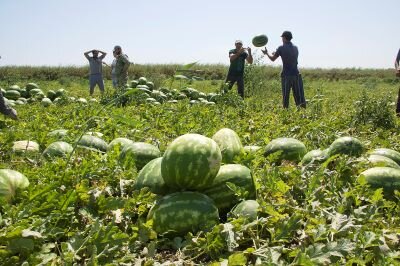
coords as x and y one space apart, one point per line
85 210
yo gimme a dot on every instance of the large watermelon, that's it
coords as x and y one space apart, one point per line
247 209
260 40
142 81
46 102
23 146
58 133
225 198
191 161
286 149
150 176
122 142
138 154
383 177
58 149
183 212
379 160
315 156
92 143
31 86
389 153
346 145
229 144
12 94
10 181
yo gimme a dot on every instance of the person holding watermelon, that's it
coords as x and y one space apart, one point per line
290 75
396 65
237 57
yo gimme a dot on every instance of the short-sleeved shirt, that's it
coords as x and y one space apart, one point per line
237 66
289 54
95 65
120 64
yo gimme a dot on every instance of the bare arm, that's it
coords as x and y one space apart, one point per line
272 57
233 57
249 58
103 54
86 54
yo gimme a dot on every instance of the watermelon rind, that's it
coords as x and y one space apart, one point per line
229 144
289 149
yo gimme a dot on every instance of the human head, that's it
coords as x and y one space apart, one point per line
287 35
238 44
117 49
95 53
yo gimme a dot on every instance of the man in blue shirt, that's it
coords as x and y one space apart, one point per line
290 76
396 65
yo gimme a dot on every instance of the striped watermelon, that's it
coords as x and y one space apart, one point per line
12 94
150 176
224 198
58 133
229 144
10 181
315 156
252 149
183 212
383 177
58 149
247 209
260 40
191 161
286 149
346 145
389 153
92 143
379 160
138 154
122 142
31 86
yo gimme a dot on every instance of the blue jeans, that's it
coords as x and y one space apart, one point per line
96 79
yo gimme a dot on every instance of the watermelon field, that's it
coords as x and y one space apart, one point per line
174 169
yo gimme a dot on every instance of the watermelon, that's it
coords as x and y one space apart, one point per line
142 81
58 149
23 146
33 92
31 86
46 102
346 145
60 92
82 101
139 154
92 143
150 85
58 133
260 40
383 177
191 161
229 144
150 176
315 156
134 83
183 212
251 148
12 94
225 198
379 160
286 148
10 181
389 153
14 88
122 142
247 209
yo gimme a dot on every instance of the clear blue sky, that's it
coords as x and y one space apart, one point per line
338 33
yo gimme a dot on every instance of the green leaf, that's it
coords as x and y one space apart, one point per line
237 259
21 245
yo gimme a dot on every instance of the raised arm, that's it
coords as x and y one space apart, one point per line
233 57
272 57
249 57
103 54
86 54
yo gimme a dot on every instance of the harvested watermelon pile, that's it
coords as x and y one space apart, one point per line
182 184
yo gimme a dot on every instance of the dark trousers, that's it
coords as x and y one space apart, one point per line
296 84
240 84
398 104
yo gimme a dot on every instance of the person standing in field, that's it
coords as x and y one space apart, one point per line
121 67
113 76
396 65
5 109
290 75
237 58
96 70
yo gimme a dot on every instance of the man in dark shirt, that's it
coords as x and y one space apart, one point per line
290 76
237 57
396 65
